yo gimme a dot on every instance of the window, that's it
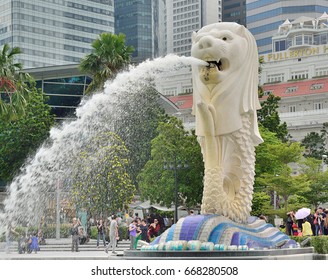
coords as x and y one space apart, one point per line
298 40
280 45
292 108
274 78
318 106
267 92
308 39
316 86
291 89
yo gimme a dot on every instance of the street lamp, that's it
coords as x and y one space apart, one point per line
175 166
58 186
324 162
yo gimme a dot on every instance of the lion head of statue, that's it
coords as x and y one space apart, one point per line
228 84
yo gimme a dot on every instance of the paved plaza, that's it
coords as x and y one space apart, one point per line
61 250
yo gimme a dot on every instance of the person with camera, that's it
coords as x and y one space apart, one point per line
101 233
75 234
113 234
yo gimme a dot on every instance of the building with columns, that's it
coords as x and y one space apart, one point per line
297 71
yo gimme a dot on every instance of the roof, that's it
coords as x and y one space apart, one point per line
302 19
298 88
182 101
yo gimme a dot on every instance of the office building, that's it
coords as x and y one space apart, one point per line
234 11
184 17
263 17
143 24
54 32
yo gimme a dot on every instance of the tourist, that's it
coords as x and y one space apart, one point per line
144 231
75 234
101 233
34 243
138 236
82 236
319 218
306 228
289 223
133 233
295 229
113 234
325 224
10 236
153 230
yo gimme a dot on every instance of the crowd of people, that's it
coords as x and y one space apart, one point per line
313 225
146 230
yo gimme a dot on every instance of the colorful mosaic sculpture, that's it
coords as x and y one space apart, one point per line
216 232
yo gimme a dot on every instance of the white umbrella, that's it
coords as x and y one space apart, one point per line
302 213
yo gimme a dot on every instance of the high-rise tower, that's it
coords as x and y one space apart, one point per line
54 32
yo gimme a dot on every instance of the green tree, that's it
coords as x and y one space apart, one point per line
285 184
14 84
314 144
261 204
266 160
100 179
268 116
21 137
108 57
173 146
140 114
318 181
281 179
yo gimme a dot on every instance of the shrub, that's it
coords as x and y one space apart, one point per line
319 243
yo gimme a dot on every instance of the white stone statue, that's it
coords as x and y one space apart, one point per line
225 104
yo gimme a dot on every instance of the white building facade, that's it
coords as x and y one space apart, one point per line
297 71
54 32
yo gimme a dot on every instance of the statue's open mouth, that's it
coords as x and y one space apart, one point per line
213 64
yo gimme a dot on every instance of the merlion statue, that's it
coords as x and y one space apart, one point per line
225 104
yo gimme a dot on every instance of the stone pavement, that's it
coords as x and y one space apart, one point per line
61 250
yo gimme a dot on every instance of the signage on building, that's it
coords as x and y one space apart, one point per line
298 53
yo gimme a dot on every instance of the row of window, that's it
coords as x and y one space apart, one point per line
38 8
185 28
316 106
185 9
55 34
185 22
305 39
182 42
50 55
280 77
179 3
186 15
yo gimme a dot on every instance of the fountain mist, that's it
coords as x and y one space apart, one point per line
28 193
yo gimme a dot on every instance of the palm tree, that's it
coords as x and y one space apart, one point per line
109 55
14 90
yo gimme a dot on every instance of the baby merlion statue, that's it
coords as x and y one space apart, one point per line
225 104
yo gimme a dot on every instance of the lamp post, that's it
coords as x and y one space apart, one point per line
58 186
324 163
175 166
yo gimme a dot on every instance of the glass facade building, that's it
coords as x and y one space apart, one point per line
234 11
263 17
64 85
54 32
143 24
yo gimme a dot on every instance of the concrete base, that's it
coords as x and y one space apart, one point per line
270 254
